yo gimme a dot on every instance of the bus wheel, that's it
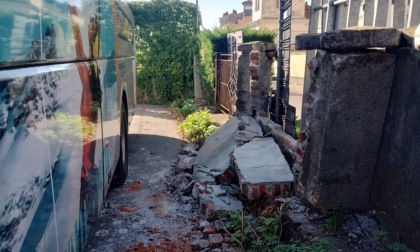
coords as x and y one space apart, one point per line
121 171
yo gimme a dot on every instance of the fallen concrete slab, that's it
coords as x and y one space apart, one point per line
262 169
214 155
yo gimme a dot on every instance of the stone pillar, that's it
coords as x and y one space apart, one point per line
243 106
254 95
345 107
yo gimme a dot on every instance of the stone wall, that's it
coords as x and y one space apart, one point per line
396 186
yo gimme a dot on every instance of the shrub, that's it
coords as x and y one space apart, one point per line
197 127
166 43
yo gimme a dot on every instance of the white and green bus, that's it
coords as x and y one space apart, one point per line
67 95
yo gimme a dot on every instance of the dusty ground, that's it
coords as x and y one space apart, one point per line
142 215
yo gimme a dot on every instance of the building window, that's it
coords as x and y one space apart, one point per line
257 5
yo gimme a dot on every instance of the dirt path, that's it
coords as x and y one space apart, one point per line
142 211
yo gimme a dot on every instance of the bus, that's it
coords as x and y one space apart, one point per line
67 96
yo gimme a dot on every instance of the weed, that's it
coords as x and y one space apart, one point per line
316 244
399 247
334 222
264 233
382 238
297 128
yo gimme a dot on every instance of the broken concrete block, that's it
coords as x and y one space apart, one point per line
181 181
200 244
215 240
262 169
212 199
215 152
184 164
188 148
350 39
203 174
214 156
310 230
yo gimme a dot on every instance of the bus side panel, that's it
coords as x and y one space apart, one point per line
126 49
111 103
51 166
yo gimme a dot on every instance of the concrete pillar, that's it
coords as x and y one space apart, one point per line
243 106
345 108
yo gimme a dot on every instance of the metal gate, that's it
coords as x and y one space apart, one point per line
223 65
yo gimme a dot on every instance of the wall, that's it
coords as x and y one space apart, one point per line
396 186
256 14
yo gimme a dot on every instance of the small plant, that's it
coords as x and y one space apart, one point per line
197 127
316 244
264 233
297 127
399 247
334 222
382 238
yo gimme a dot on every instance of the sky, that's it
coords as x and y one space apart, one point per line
212 10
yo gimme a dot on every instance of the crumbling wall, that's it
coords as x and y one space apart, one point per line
396 186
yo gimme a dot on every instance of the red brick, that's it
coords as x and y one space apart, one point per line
255 88
255 58
309 99
209 229
302 136
252 191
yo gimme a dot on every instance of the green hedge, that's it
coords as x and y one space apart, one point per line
166 44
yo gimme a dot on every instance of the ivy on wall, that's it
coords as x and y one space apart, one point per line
212 41
166 44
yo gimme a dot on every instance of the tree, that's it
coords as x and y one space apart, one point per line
166 44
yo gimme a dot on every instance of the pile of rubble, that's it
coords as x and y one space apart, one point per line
237 164
236 161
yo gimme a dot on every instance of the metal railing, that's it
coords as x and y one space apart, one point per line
283 68
339 14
